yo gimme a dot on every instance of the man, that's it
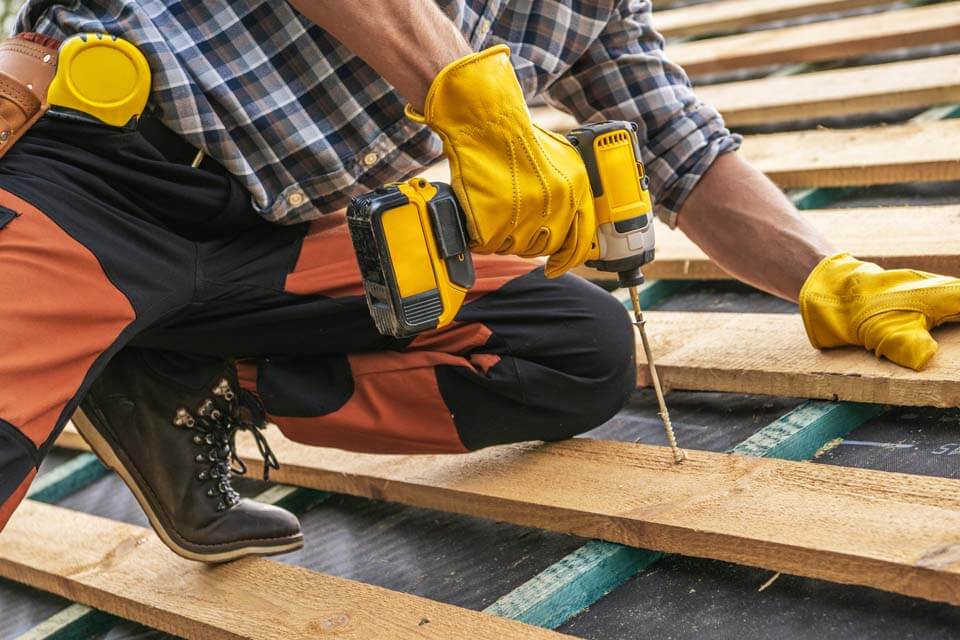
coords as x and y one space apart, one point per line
161 295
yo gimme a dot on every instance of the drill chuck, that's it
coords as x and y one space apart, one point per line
630 278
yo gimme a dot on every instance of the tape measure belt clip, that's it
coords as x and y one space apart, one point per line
100 76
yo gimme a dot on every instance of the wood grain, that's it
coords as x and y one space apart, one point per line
912 152
871 89
727 15
891 531
769 354
923 238
126 570
836 39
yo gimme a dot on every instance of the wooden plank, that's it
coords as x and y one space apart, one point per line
79 621
807 199
876 88
836 39
582 577
838 92
870 89
127 571
890 531
895 237
728 15
911 152
553 119
769 354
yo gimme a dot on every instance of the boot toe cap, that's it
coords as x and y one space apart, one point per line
260 523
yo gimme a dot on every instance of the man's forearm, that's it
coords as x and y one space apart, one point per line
748 227
408 42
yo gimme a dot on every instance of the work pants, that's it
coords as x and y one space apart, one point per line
106 244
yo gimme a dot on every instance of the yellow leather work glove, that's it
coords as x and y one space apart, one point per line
525 191
846 301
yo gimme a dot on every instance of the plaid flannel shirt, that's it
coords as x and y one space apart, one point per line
306 125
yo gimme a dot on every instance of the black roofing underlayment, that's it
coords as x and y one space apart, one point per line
470 562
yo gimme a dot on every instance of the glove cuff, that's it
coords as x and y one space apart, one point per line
819 300
470 86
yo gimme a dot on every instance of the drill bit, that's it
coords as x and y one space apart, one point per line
678 454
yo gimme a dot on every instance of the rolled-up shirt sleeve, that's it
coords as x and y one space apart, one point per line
623 75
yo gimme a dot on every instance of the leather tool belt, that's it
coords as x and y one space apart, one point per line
28 63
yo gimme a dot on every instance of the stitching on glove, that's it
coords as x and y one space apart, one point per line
563 175
515 214
901 299
539 172
849 299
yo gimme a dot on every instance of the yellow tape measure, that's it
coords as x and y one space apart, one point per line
101 76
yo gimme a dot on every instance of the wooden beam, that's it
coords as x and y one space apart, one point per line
808 199
836 39
582 577
769 354
799 434
126 570
912 152
894 237
890 531
871 89
728 15
79 621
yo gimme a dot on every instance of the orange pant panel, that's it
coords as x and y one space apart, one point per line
327 264
59 313
395 408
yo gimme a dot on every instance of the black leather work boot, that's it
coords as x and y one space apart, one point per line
169 433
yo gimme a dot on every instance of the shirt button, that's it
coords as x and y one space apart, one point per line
370 159
295 199
483 28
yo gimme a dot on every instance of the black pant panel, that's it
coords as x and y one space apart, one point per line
568 363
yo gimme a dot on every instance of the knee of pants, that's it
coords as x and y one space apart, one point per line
606 379
571 366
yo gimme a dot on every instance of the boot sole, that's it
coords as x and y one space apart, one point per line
112 461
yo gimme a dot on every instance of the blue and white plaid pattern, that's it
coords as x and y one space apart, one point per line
306 125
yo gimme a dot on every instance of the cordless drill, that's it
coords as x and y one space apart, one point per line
413 248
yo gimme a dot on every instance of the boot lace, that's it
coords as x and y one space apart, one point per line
215 424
